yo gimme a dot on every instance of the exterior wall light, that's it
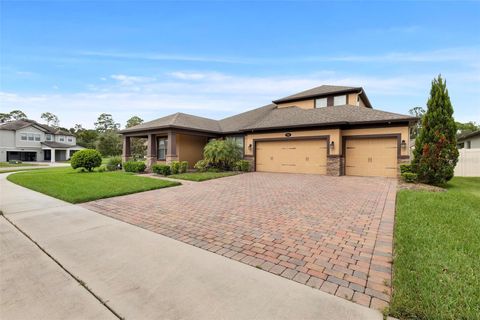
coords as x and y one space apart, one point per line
250 146
332 145
403 144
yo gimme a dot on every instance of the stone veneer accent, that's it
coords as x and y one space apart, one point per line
335 165
251 160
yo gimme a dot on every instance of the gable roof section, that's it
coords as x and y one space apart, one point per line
24 123
178 120
318 91
339 115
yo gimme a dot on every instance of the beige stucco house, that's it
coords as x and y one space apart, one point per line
28 140
330 130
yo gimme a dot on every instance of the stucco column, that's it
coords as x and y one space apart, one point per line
126 153
151 151
172 147
67 154
52 156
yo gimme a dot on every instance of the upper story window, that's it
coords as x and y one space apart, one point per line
30 136
320 103
339 100
70 139
37 137
23 137
162 149
61 138
48 137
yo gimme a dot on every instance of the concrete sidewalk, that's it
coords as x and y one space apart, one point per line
143 275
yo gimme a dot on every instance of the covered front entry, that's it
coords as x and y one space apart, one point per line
292 156
376 157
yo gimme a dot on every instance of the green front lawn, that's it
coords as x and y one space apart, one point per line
72 186
202 176
437 253
13 165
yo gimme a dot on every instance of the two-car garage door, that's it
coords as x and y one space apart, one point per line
363 156
292 156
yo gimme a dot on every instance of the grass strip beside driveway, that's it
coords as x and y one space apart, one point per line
202 176
75 187
437 253
15 165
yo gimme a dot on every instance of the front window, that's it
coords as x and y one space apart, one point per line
340 100
48 137
62 138
23 137
238 140
30 136
162 149
320 103
70 139
37 137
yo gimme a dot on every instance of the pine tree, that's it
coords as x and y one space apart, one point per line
436 154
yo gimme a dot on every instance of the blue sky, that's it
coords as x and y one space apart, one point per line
215 59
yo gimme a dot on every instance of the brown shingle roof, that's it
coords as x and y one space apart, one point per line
297 117
318 91
270 116
238 122
178 120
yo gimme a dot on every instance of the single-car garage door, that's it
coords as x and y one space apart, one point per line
375 157
292 156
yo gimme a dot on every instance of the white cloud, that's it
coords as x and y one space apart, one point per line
125 80
217 95
468 55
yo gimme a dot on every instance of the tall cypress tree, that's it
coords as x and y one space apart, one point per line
436 154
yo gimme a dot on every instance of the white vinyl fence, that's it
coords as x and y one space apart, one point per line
468 163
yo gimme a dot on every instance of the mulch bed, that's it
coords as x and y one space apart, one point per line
402 185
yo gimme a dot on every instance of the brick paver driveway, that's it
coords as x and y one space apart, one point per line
331 233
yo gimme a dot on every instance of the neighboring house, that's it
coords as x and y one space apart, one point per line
28 140
329 130
469 140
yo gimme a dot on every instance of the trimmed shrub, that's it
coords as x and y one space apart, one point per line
102 169
134 166
410 177
114 163
202 165
162 169
242 165
175 165
183 166
87 158
222 154
405 168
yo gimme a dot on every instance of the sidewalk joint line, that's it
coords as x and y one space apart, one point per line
78 280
